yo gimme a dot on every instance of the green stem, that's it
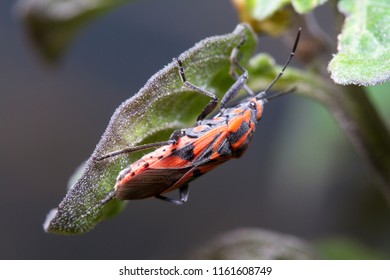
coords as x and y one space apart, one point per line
352 110
359 119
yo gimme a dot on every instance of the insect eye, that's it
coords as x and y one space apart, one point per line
252 104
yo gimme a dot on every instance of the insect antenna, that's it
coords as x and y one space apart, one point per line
277 94
262 95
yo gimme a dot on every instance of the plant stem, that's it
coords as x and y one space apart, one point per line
350 106
358 118
366 130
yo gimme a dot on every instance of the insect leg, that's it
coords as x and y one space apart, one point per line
172 140
136 148
235 64
214 99
234 89
183 191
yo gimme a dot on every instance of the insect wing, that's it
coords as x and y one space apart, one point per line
194 173
149 183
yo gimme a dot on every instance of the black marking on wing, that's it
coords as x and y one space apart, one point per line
186 153
233 137
225 149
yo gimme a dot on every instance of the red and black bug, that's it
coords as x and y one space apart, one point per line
191 152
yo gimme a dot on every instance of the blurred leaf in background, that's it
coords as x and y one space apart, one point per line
273 17
255 244
53 24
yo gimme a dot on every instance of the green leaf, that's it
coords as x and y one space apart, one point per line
52 24
262 9
160 107
364 45
305 6
263 70
274 24
272 16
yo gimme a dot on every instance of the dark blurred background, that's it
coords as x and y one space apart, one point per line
300 176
